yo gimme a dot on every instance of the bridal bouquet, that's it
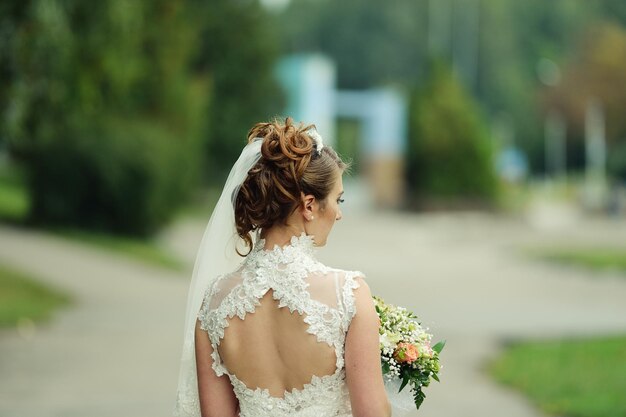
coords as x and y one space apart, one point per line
407 357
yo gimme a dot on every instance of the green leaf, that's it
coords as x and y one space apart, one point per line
405 380
435 377
418 396
439 346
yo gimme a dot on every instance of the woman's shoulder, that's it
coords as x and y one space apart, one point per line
347 274
343 281
217 288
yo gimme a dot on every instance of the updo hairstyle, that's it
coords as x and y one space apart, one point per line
289 165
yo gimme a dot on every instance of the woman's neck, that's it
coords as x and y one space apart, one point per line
280 235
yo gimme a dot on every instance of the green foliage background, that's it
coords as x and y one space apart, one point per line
237 46
378 42
117 110
114 107
450 153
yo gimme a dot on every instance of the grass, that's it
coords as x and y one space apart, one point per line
575 378
14 202
593 258
516 198
22 298
512 198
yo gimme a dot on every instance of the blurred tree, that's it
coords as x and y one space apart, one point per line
114 105
101 108
372 43
596 71
450 155
238 47
515 38
378 42
612 10
617 161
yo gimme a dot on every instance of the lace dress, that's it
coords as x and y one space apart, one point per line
324 299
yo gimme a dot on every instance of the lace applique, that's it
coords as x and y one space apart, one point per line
285 271
323 396
350 285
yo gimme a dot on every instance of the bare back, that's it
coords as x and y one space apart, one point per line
272 350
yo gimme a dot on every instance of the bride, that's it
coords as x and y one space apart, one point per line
279 333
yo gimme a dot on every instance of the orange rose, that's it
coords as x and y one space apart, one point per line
406 352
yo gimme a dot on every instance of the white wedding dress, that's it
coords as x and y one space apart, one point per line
319 297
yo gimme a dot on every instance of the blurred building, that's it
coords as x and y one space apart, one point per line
309 81
512 165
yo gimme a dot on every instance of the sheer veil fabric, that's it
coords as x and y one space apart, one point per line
216 256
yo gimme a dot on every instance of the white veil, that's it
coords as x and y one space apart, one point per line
216 256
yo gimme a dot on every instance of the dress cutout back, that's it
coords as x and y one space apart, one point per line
277 326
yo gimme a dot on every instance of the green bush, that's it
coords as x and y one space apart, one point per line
617 162
14 201
103 108
113 107
450 155
238 44
126 177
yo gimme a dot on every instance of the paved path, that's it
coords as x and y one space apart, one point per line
115 353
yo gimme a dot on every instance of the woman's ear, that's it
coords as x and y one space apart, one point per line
309 206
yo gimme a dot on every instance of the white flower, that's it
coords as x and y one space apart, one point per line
386 341
319 144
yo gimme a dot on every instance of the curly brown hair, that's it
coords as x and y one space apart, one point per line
289 165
